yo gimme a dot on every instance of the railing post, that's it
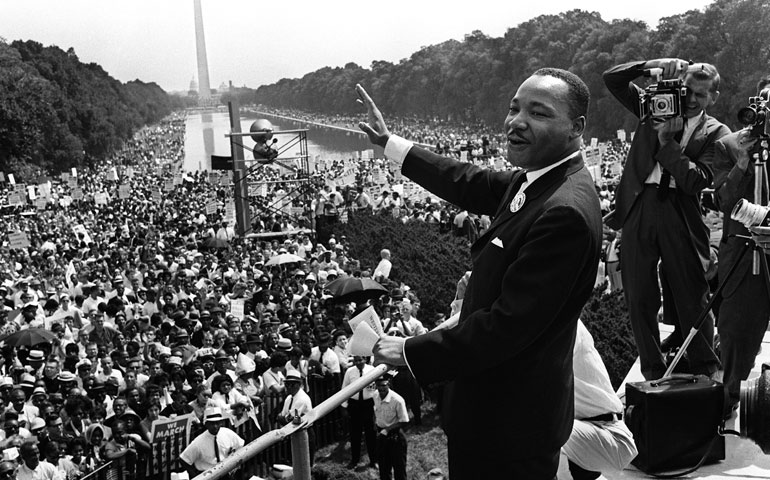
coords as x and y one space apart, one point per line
300 455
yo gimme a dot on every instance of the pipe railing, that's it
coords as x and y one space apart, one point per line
297 432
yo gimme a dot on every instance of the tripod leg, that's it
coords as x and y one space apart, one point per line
704 314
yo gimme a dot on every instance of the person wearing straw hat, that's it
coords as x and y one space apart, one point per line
296 405
212 446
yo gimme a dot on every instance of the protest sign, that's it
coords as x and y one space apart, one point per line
236 308
18 240
622 135
166 428
124 192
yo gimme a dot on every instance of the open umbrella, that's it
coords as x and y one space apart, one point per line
284 258
355 289
29 337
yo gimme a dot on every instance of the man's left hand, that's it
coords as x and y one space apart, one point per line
390 351
668 129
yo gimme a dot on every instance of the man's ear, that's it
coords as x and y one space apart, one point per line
578 126
714 96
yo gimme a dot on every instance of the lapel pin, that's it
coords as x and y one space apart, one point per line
518 202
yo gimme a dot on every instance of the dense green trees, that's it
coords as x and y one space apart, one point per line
56 112
474 79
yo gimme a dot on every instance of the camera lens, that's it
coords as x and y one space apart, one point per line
747 115
755 409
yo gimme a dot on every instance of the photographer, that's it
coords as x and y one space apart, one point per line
657 205
743 315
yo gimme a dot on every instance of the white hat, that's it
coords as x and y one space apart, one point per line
213 414
10 454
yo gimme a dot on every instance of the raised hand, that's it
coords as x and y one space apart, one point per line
375 129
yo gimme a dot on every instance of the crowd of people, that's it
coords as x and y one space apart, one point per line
152 319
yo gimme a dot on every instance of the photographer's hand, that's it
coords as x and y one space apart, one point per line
668 129
672 67
745 143
376 129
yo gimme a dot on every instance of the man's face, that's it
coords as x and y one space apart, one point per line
699 96
539 128
213 427
18 398
107 365
31 456
119 406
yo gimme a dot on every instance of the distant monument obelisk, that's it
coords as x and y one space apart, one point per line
204 89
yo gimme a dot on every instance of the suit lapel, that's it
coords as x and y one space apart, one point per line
542 184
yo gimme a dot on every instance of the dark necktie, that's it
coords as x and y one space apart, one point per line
360 374
227 398
216 449
665 175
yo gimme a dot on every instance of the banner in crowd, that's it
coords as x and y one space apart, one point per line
18 240
167 428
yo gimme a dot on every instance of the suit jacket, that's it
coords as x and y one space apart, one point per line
690 169
730 185
510 356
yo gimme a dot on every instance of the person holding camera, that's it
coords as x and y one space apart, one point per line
745 308
657 205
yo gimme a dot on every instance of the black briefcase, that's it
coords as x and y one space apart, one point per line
674 421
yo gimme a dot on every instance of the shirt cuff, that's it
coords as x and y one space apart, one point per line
406 360
396 150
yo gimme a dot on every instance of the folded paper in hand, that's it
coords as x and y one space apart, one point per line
363 340
367 330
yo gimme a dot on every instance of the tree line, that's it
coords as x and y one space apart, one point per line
57 112
473 80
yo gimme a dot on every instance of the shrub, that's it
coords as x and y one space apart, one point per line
606 317
429 262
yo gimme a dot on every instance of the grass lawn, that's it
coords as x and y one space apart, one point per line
426 450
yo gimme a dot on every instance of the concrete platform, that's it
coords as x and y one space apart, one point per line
743 458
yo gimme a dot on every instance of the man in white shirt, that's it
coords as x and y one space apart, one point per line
600 442
383 268
297 404
32 468
390 415
330 363
360 413
212 446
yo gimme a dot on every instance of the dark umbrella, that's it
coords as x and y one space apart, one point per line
29 337
354 289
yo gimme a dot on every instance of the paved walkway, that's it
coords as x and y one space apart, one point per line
744 459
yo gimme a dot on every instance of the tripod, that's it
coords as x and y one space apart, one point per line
759 264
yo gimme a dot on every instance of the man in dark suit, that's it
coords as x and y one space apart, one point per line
658 207
745 308
533 271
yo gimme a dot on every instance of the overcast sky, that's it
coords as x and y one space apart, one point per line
255 42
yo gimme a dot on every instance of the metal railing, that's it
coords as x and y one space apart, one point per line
300 445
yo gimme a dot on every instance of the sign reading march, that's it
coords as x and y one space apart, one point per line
171 427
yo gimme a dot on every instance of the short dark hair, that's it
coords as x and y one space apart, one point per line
578 94
708 72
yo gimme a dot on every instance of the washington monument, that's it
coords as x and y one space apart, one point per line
204 89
